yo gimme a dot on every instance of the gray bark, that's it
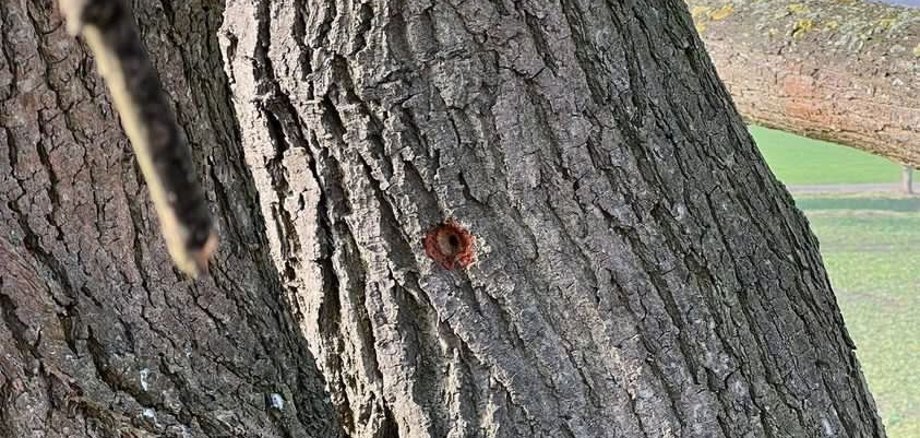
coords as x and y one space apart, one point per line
640 272
99 335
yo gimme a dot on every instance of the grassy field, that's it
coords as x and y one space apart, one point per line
871 248
798 160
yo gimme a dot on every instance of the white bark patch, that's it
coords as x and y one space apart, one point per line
145 373
276 401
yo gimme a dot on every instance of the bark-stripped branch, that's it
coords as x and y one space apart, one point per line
150 124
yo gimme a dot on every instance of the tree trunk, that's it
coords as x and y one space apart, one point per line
639 271
100 336
843 71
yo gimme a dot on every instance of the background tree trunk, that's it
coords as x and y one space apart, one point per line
907 180
843 71
99 335
640 272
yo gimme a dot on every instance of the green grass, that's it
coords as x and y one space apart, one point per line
871 248
797 160
873 260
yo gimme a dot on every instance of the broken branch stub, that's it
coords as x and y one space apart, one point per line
150 124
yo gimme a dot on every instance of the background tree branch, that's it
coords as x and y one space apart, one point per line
843 71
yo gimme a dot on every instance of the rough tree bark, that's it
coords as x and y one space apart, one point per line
99 335
640 272
843 71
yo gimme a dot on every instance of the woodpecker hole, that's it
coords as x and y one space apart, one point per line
450 245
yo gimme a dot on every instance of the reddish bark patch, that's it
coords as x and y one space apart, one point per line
802 96
450 245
